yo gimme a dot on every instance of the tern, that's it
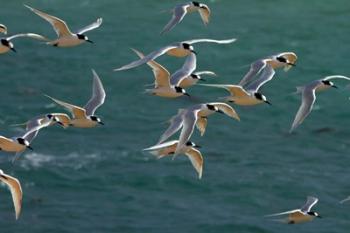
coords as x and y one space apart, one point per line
162 85
178 49
16 191
65 37
184 77
309 97
193 78
241 96
195 115
284 60
84 117
3 29
54 118
180 10
19 143
300 215
247 90
6 44
169 148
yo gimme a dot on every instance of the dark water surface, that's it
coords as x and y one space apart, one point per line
98 180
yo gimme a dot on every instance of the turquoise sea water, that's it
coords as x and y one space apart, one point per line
99 180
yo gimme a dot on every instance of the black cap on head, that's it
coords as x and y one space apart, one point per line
6 43
196 3
327 82
281 59
179 89
195 76
81 36
186 46
258 95
211 107
189 143
313 214
23 142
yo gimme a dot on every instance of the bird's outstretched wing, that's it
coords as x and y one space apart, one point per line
188 67
267 74
310 202
176 122
179 13
194 41
30 35
161 75
16 191
153 55
98 95
307 102
255 68
58 25
77 112
90 27
196 159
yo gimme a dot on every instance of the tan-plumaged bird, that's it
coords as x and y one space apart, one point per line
16 191
177 49
193 78
304 214
19 143
180 10
247 91
3 29
169 148
241 96
195 115
284 60
66 38
54 118
263 70
84 117
6 44
162 85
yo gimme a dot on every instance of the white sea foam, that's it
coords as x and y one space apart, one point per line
73 160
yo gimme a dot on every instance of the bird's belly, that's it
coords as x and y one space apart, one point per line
166 92
187 82
67 42
178 52
205 113
276 64
245 101
167 151
191 9
4 49
12 147
83 123
322 88
300 218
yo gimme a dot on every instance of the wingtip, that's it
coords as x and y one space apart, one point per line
29 7
94 73
118 69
